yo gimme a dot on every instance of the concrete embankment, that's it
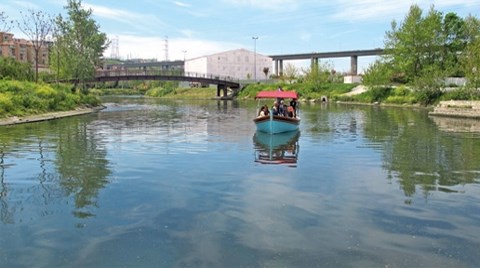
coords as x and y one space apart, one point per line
48 116
462 109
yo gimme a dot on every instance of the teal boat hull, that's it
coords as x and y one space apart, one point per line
276 124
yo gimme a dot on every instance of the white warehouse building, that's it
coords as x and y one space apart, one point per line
238 64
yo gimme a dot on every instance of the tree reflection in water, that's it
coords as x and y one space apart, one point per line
69 161
419 155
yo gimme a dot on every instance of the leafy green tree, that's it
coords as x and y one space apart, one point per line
317 74
470 58
378 74
36 25
80 44
454 40
412 46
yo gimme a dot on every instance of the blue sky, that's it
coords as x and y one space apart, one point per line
212 26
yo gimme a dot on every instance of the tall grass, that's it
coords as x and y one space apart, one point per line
20 98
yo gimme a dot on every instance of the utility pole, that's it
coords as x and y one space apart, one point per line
255 57
184 53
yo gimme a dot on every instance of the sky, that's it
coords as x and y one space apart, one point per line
185 28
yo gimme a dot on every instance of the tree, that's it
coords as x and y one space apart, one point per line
454 40
79 44
290 73
265 71
470 58
36 25
5 25
413 46
317 74
377 74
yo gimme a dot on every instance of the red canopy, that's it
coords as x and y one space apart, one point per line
277 94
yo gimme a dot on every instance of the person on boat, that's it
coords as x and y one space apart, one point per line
261 112
293 104
265 110
290 111
275 108
282 110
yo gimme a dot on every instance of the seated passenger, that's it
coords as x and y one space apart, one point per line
290 111
265 110
275 108
281 108
262 112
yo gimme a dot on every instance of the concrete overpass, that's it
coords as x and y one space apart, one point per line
314 56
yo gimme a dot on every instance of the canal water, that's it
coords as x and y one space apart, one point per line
165 183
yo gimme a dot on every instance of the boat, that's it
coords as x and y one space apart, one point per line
274 124
280 149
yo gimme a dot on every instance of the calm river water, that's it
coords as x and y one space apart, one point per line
157 183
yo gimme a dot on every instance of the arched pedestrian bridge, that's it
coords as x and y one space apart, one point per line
223 83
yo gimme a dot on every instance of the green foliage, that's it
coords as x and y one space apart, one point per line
424 49
317 74
377 74
470 57
79 44
428 96
401 95
376 94
305 91
23 98
466 93
159 92
13 69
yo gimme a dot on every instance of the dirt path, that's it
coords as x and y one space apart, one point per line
356 90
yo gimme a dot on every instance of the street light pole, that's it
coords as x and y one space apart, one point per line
255 57
184 52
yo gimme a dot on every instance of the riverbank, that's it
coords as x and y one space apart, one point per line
14 120
462 109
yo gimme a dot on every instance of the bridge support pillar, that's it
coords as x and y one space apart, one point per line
280 73
276 67
314 63
353 65
221 88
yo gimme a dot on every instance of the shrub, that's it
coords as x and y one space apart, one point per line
6 104
462 94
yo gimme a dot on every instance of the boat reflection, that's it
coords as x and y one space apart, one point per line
278 149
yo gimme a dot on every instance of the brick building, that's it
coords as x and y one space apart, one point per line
22 50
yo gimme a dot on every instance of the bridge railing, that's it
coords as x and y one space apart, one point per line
179 73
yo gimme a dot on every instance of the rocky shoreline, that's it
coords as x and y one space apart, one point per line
461 109
48 116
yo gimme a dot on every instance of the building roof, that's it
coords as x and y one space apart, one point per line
226 52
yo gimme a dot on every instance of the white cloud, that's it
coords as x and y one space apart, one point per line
181 4
26 5
136 20
374 10
266 4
